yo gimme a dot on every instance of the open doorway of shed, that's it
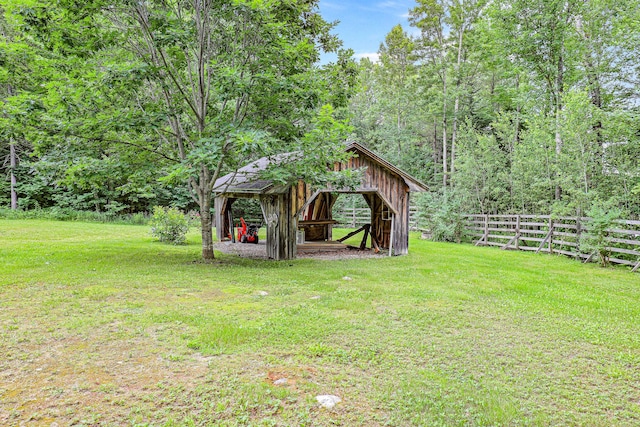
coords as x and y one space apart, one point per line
236 209
351 211
318 218
249 209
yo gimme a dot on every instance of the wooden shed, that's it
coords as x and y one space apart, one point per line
290 211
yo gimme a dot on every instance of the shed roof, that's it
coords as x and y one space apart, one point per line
247 180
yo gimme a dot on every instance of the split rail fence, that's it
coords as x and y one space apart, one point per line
357 217
560 235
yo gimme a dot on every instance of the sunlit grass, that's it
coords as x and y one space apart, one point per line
101 324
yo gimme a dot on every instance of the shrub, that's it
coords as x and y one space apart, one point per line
169 225
444 216
596 240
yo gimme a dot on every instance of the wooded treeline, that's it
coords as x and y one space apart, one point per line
511 106
506 106
118 106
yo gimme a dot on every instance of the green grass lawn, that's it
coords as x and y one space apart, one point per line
100 325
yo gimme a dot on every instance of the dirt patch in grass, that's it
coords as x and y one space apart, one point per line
93 379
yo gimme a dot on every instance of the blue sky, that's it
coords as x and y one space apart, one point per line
364 24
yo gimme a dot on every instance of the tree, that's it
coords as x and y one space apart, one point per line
205 85
430 17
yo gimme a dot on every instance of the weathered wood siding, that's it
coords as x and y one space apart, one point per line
320 208
281 222
401 226
222 207
393 189
385 190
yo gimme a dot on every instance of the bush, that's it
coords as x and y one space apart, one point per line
596 240
444 216
169 225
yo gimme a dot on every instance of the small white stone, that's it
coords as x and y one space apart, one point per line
263 293
347 278
328 400
281 381
316 297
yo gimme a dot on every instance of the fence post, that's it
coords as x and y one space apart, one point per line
578 232
550 235
486 229
518 232
353 217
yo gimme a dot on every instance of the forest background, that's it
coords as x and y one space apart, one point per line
506 106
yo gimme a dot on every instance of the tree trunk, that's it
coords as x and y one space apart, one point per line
445 169
558 135
595 88
14 194
206 226
436 159
454 131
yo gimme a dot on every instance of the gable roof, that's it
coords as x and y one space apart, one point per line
247 180
413 183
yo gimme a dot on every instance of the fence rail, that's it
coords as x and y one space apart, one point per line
357 217
561 235
536 233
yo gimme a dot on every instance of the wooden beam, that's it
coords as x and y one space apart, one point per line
486 231
545 240
392 234
589 257
308 201
363 244
353 233
636 267
374 244
513 239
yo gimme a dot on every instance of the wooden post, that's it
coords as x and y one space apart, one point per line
486 229
231 230
636 267
550 235
517 232
483 239
391 234
374 244
281 226
544 240
363 244
353 215
516 236
578 233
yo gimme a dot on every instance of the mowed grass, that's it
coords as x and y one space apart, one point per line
100 325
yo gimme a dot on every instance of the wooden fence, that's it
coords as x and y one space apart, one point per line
542 233
357 217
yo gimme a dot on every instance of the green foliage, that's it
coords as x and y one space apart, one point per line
169 225
444 216
69 214
322 145
481 171
602 217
